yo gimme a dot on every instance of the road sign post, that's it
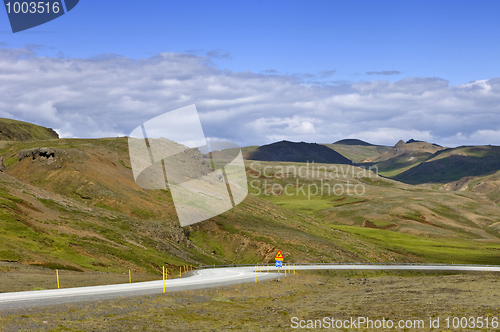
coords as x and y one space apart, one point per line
279 262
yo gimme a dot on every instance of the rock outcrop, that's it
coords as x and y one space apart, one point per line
46 155
3 168
37 153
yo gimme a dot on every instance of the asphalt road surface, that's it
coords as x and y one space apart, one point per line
204 278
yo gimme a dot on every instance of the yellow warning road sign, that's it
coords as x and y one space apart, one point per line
279 256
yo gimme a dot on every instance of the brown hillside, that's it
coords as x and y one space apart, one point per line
413 149
74 203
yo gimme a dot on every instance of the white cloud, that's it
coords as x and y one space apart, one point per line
384 72
110 95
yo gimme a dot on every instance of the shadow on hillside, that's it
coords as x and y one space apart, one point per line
451 168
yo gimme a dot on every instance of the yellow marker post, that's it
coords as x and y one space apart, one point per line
255 273
57 275
285 270
164 279
180 272
129 276
293 268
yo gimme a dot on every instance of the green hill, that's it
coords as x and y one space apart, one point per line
286 151
350 141
12 130
74 204
453 164
435 225
359 153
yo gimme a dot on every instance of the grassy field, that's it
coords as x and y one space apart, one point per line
271 306
435 250
359 153
449 226
398 164
15 277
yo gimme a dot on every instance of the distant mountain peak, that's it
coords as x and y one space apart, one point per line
296 152
417 141
400 143
353 141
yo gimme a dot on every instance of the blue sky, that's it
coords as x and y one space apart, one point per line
453 40
329 46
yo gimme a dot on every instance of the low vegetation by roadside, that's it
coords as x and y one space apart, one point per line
271 306
15 277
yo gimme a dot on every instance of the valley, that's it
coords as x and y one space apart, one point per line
72 204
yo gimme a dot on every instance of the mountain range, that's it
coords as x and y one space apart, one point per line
73 204
412 162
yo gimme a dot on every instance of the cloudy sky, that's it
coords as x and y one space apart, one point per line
259 72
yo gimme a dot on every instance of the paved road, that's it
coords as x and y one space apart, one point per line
213 277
